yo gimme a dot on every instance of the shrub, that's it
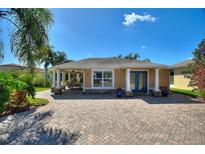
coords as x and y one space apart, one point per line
39 80
14 91
4 96
202 94
27 78
8 84
19 101
31 90
11 82
49 83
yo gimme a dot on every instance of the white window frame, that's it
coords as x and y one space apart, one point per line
102 70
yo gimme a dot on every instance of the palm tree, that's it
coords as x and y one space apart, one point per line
132 56
50 57
60 57
29 32
129 56
47 59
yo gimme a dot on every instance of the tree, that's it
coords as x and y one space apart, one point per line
131 55
147 60
60 57
50 57
29 32
196 70
47 59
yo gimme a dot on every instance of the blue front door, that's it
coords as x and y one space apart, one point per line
139 81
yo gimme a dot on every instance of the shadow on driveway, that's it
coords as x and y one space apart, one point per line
29 128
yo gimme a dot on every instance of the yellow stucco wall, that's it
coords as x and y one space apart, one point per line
164 78
121 73
151 78
179 80
119 78
88 78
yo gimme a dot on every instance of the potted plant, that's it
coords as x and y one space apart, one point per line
164 91
119 92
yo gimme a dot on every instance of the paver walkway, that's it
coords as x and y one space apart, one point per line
103 119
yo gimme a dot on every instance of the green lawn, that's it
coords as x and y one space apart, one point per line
185 92
38 89
37 101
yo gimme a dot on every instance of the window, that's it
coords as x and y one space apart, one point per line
102 79
107 79
97 79
171 77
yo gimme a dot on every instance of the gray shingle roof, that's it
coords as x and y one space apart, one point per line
108 63
182 63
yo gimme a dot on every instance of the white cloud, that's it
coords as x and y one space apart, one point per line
130 19
143 47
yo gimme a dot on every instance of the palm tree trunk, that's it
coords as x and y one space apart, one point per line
46 75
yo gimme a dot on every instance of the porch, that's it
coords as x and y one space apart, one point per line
83 80
67 79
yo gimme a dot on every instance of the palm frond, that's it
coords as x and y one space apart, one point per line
31 35
60 57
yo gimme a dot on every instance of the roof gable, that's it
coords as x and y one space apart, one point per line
182 63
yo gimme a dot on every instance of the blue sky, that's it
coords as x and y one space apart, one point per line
165 36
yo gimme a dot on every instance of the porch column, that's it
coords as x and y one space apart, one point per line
156 85
69 77
54 79
78 77
84 81
63 79
58 79
128 80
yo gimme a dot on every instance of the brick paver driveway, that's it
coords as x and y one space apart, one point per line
103 119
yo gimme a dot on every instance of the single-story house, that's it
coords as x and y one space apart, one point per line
108 74
177 79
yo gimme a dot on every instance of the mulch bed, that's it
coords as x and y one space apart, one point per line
13 110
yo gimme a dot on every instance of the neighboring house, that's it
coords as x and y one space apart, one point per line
12 67
177 79
106 74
